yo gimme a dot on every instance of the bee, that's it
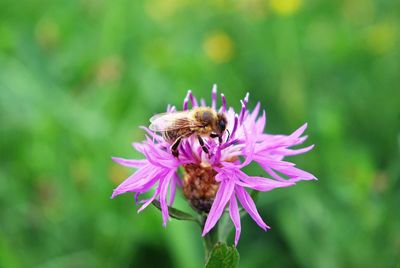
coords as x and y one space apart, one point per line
202 122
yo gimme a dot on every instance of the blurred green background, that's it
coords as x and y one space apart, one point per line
77 78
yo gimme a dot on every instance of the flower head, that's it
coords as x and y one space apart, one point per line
214 180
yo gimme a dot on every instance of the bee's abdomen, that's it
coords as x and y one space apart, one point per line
200 186
170 136
173 135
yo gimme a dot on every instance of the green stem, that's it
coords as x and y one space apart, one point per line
210 239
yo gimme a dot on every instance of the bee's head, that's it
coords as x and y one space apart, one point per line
221 123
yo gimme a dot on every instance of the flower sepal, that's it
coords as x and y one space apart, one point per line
176 213
223 255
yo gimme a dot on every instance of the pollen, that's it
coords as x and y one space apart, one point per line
200 186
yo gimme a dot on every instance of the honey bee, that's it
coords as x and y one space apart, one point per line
202 121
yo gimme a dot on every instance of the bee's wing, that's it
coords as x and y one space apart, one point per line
171 121
156 116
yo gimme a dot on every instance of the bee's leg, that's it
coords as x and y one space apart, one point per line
213 135
175 146
229 135
203 146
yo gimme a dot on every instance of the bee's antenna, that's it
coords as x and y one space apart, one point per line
229 135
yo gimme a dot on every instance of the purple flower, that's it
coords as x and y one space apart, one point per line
213 181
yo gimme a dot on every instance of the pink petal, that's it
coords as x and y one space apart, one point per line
235 216
271 172
139 146
255 112
263 184
299 131
152 134
192 99
172 191
235 126
242 112
250 140
156 161
296 172
249 206
289 152
148 202
267 160
223 106
223 195
260 124
130 162
185 104
163 196
136 180
214 97
178 180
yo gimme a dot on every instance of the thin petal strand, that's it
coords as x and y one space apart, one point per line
248 204
221 199
235 216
